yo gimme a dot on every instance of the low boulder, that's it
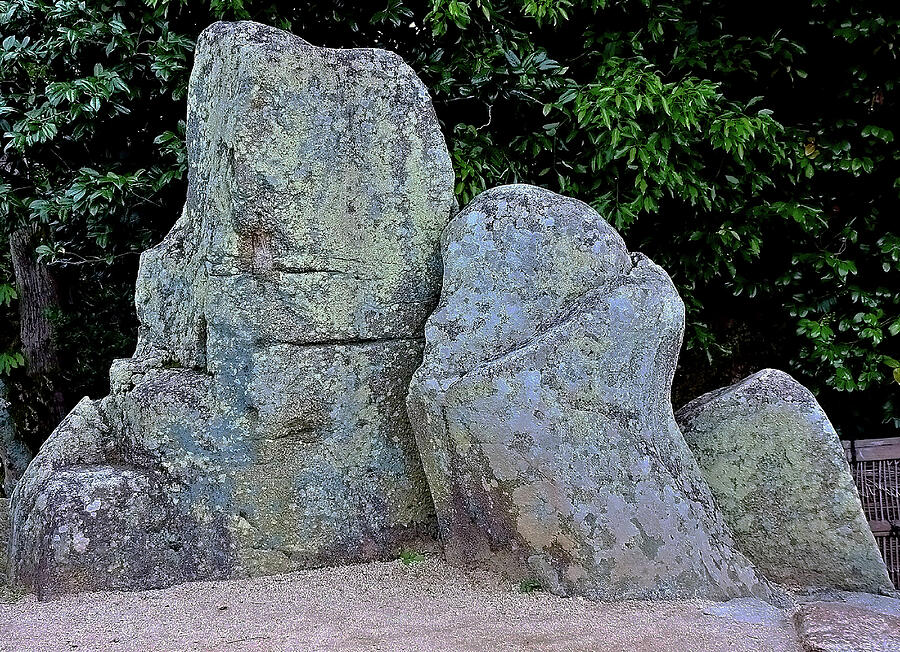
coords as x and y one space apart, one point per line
777 469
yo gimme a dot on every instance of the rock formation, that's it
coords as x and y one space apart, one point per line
542 410
260 426
4 540
14 455
778 472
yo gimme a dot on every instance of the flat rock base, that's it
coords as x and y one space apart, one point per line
384 606
849 622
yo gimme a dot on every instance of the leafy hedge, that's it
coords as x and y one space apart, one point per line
749 152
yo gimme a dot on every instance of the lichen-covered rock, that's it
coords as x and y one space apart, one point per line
778 472
260 426
14 454
4 541
542 410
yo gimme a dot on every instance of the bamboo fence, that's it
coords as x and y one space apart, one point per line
875 465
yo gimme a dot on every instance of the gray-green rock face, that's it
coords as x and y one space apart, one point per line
542 410
778 472
260 426
14 455
4 542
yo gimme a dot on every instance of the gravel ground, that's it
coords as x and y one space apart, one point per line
384 606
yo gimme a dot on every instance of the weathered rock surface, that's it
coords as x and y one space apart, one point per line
846 627
542 410
751 611
260 426
14 455
778 472
4 539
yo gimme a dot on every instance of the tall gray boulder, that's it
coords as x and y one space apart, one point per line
260 426
14 454
542 410
778 472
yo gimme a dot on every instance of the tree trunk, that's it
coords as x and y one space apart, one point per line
38 298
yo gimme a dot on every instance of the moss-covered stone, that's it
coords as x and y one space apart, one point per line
778 472
260 426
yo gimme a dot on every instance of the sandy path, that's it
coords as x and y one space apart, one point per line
385 606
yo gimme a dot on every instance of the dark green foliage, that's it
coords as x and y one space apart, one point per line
749 152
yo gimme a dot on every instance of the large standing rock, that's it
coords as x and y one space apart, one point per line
778 472
4 541
542 410
261 426
14 454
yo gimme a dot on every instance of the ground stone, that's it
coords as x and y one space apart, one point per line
843 627
889 605
260 426
752 611
542 410
778 472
